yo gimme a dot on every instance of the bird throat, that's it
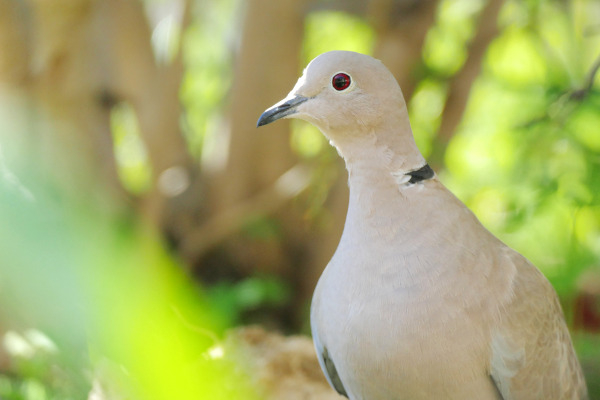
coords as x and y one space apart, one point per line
421 174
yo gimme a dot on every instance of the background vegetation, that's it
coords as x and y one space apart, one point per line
143 214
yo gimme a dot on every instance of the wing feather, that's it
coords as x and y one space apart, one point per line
532 352
328 367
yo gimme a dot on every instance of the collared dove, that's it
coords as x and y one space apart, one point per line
419 301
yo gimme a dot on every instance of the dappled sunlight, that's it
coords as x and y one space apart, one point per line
130 152
334 30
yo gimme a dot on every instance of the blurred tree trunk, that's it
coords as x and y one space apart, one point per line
72 61
401 27
267 65
48 58
462 82
14 84
151 86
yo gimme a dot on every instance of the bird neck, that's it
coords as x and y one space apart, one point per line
379 162
379 158
388 145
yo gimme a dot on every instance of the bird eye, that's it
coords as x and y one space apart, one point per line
340 81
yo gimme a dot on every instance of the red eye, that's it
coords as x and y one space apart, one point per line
340 81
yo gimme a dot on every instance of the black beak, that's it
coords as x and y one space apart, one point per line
279 111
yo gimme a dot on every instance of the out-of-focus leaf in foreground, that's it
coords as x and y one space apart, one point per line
104 289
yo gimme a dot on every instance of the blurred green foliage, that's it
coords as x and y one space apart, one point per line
334 30
588 350
425 112
524 157
235 301
445 49
103 291
130 153
208 49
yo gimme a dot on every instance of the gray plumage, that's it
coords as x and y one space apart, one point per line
419 301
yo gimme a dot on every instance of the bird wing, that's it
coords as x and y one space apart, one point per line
328 366
532 353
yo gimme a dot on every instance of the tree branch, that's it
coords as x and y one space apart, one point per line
217 228
581 93
460 86
12 181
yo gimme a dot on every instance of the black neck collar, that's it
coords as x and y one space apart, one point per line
421 174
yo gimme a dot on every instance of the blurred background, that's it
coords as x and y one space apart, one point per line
142 214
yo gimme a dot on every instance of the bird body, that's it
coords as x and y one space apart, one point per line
408 311
419 301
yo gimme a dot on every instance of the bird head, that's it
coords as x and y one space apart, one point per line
341 92
357 104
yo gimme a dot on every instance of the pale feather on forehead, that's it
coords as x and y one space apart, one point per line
373 93
348 59
366 71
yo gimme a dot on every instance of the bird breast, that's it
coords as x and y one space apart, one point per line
382 332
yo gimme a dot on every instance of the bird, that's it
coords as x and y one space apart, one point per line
419 300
